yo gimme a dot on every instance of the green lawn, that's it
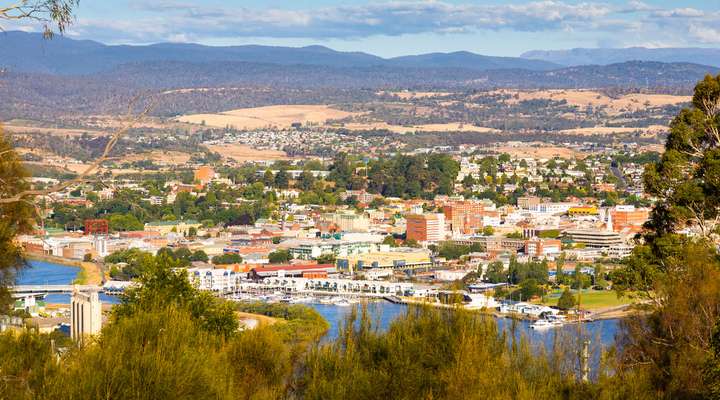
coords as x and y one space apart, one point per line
591 299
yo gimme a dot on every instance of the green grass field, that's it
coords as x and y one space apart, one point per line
591 299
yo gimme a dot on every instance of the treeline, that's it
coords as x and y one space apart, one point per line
128 210
168 340
400 176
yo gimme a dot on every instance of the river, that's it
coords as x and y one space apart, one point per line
602 333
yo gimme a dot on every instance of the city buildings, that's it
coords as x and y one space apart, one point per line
425 227
464 217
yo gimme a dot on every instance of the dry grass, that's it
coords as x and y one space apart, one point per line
160 157
242 153
29 129
607 130
585 98
541 151
272 116
449 127
405 95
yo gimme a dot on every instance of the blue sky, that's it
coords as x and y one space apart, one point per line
399 27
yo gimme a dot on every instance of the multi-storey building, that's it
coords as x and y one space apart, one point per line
464 216
628 217
425 227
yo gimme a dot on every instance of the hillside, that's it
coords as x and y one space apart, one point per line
210 87
28 52
580 56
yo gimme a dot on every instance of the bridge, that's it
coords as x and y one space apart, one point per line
22 291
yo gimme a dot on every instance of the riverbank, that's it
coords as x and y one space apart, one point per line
90 272
606 313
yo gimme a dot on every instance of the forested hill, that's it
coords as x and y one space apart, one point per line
109 92
28 52
40 78
580 56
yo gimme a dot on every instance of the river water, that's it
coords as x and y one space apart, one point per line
601 333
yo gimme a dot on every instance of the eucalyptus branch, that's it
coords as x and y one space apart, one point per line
132 121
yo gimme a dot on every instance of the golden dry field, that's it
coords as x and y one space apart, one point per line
281 116
585 98
242 153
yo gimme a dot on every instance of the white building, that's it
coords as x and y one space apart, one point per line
85 314
216 280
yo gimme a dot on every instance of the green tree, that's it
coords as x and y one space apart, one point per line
670 345
52 14
328 258
127 222
227 258
268 178
306 181
559 265
390 241
529 288
567 300
282 179
199 255
163 284
495 272
279 257
16 216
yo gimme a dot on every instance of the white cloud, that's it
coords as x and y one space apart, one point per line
636 21
705 34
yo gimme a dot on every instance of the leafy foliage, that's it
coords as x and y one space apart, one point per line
15 217
162 284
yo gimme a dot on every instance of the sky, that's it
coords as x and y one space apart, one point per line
393 28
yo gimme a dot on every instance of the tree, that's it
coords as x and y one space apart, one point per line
678 275
559 265
688 173
199 255
127 222
495 272
390 241
183 253
307 180
164 284
488 230
268 178
282 179
411 243
327 258
15 217
530 288
279 257
227 258
452 251
567 300
52 14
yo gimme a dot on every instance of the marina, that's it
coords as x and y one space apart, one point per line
335 308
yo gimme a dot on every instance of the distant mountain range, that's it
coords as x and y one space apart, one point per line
575 57
41 78
28 52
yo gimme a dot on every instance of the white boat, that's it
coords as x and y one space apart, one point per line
342 302
541 324
546 323
302 300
